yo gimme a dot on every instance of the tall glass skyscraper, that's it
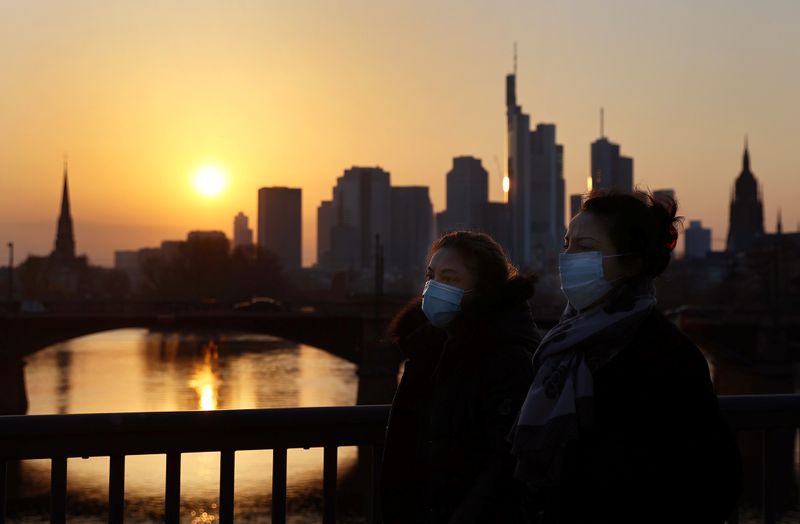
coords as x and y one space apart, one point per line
535 170
279 223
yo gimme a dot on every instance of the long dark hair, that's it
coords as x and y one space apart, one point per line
498 283
487 260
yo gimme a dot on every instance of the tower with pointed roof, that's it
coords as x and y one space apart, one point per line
65 238
747 209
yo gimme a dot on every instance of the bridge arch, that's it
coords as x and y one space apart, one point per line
343 336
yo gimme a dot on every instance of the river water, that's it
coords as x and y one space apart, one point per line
137 370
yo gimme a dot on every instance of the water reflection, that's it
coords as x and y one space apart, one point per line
205 381
137 370
63 365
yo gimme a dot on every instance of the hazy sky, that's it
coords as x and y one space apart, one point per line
142 93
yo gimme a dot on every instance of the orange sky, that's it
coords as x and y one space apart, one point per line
291 93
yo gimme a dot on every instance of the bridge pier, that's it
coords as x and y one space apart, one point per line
377 382
377 373
13 396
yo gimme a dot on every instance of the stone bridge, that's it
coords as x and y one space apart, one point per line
352 337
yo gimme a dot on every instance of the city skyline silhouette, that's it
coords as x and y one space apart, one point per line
139 108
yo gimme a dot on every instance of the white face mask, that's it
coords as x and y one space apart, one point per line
582 278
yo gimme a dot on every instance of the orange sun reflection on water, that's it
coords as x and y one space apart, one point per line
204 380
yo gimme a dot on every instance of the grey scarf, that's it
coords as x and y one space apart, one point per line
559 402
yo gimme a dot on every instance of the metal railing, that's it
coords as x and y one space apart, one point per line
768 414
117 435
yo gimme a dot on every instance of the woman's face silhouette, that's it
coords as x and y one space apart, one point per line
449 267
589 232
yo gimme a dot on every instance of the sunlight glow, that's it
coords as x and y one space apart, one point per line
210 180
205 381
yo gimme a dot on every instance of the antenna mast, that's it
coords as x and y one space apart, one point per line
602 123
515 59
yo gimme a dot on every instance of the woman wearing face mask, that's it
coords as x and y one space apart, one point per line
469 340
621 423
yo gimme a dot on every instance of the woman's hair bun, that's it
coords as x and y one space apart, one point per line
639 222
663 209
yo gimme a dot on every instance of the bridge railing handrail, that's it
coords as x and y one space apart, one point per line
103 434
117 435
745 412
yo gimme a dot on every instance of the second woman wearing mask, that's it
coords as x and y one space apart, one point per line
469 340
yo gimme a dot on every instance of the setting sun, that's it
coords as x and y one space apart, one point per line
210 181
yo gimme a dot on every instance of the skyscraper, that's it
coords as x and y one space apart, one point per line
498 222
242 234
697 240
662 194
412 230
326 219
65 238
279 223
747 209
467 195
362 204
547 173
518 169
536 185
610 170
575 203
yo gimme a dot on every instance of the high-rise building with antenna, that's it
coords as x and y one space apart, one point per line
534 170
609 169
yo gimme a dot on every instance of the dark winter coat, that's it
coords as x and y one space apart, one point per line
446 459
659 450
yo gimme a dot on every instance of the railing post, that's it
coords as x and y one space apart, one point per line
374 487
227 462
733 518
329 474
768 451
116 488
58 490
172 498
3 488
279 486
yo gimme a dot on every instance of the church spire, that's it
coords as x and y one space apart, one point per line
65 191
779 227
746 157
747 208
65 240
